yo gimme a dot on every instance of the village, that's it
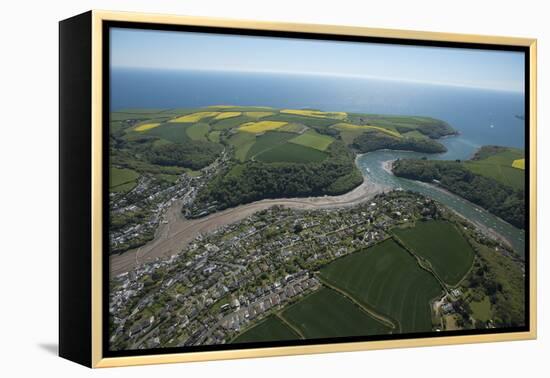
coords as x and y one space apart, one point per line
226 281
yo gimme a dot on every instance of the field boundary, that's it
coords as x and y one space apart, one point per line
289 324
384 319
422 262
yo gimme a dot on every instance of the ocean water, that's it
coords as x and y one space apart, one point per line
482 116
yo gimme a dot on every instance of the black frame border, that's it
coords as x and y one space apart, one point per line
107 25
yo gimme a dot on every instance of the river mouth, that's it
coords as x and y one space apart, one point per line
172 237
375 168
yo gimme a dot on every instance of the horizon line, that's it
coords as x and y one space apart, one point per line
326 74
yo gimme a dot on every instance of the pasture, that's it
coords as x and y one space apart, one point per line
122 180
172 132
270 329
197 131
388 279
214 136
325 313
314 140
242 143
291 153
230 123
293 128
267 141
440 243
500 166
352 127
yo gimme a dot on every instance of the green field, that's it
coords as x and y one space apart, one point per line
230 123
297 148
442 245
214 136
304 120
481 310
242 143
388 279
267 141
122 180
314 140
197 131
173 132
499 165
270 329
326 313
291 153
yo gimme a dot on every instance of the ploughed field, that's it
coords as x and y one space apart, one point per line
281 152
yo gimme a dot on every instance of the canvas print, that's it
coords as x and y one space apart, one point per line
268 190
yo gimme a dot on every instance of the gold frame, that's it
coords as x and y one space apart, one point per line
99 16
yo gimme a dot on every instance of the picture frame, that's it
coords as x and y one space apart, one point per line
86 99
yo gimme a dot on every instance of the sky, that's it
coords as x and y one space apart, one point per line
175 50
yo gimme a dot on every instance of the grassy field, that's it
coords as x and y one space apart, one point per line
314 140
293 128
270 329
442 245
229 123
326 313
172 132
146 126
481 310
242 143
500 166
261 126
388 279
292 153
197 131
122 180
267 141
214 136
304 120
361 128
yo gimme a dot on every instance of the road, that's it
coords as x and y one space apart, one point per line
174 235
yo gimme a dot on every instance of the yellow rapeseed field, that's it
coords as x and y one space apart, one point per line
519 163
225 115
194 117
315 113
258 114
146 126
260 127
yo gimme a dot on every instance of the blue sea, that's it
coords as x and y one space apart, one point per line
481 116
